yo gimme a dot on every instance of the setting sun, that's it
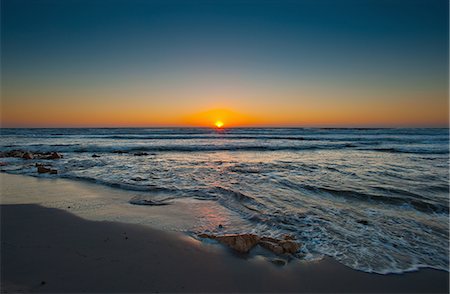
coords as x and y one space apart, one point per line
219 124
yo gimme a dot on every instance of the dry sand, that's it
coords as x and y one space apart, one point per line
51 250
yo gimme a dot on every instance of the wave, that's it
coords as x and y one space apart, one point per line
408 199
79 148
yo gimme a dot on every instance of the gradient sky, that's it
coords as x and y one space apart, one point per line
248 63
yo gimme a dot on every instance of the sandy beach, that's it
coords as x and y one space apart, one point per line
52 250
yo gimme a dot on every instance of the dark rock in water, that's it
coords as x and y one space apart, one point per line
27 155
12 153
149 202
363 222
53 155
138 179
30 155
140 154
95 155
277 261
42 170
240 242
220 226
119 151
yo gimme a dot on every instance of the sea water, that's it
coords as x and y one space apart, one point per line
376 200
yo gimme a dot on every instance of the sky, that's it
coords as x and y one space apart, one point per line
109 63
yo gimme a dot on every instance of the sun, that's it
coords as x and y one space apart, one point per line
218 124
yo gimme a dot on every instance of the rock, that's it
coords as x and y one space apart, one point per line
138 179
363 222
27 155
289 246
245 242
119 151
54 155
140 154
42 169
277 261
95 155
220 226
12 153
274 247
240 242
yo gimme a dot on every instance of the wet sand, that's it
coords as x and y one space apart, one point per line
52 250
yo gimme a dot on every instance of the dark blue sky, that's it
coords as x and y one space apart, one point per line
392 49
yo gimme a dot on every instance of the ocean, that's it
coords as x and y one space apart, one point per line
376 200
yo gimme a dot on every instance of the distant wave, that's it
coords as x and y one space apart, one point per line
78 148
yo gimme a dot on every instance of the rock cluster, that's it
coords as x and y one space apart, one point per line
43 169
31 155
243 243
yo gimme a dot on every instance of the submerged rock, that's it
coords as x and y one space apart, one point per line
31 155
119 151
277 261
149 202
141 154
27 155
42 170
53 155
363 222
95 155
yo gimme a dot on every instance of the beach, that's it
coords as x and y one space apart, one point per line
52 250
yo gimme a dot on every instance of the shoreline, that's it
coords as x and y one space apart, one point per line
70 253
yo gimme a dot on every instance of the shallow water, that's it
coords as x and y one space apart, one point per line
376 200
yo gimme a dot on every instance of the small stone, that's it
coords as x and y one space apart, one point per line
54 155
27 155
363 222
220 226
42 169
95 155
